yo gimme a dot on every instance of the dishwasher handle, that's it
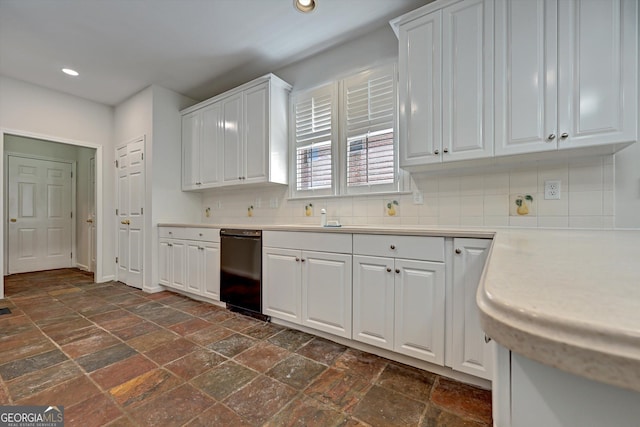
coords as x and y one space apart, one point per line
233 232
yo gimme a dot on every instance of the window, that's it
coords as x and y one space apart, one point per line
313 114
363 159
369 105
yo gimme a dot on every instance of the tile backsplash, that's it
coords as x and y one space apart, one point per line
479 199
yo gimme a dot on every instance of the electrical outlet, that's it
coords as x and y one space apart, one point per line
418 198
552 190
274 203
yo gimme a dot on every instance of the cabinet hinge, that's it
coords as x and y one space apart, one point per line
116 211
116 163
116 260
71 255
71 214
71 174
141 211
142 156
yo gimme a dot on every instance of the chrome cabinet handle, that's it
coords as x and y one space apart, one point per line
564 135
458 251
551 137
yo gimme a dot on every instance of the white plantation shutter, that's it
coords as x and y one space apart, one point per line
369 109
314 128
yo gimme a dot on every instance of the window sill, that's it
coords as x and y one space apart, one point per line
342 196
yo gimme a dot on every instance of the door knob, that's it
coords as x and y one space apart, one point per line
13 220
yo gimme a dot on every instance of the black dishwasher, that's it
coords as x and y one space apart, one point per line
241 271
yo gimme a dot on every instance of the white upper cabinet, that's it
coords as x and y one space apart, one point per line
238 137
446 83
201 147
566 74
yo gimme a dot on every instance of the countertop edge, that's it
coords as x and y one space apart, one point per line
589 350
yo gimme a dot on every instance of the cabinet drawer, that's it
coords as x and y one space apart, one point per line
306 241
410 247
190 233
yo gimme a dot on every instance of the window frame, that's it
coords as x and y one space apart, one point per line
339 141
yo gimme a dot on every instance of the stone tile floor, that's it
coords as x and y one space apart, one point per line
113 355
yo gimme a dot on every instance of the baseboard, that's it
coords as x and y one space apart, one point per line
152 290
106 278
82 266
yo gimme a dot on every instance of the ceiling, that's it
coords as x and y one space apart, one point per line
194 47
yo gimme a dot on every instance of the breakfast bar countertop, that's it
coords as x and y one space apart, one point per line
565 298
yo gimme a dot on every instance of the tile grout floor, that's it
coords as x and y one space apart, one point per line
114 355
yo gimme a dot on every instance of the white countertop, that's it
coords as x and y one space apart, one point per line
566 298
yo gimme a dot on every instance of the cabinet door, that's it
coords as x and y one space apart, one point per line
326 292
164 262
420 63
526 76
419 309
281 283
232 130
471 354
256 133
178 264
211 140
211 270
467 80
373 308
191 150
598 57
193 276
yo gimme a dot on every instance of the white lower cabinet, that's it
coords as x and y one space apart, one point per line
188 262
306 279
470 351
399 305
281 279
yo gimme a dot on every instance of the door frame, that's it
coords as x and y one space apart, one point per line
74 217
99 196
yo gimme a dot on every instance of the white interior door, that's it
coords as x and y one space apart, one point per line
91 216
40 213
130 164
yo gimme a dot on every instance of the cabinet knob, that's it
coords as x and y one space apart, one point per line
446 150
564 135
297 259
171 232
303 260
393 246
551 137
436 152
458 251
169 244
389 269
398 270
487 338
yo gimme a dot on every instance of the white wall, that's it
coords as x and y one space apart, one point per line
155 114
33 111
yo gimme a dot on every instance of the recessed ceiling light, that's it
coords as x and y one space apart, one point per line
70 72
304 6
